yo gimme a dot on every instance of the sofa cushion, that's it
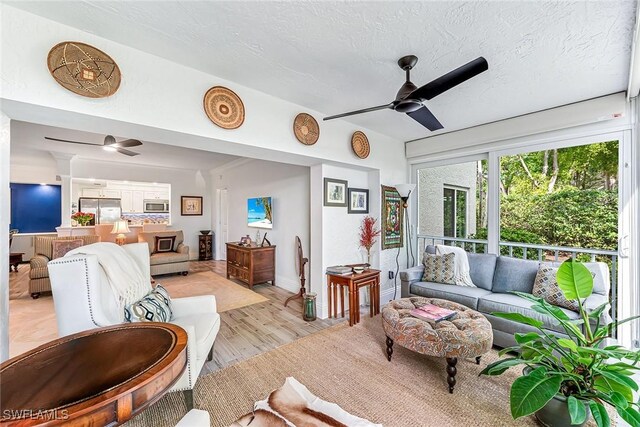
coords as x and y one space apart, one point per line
481 269
168 258
439 268
546 287
150 238
205 325
61 247
464 295
164 244
510 303
43 245
153 307
513 274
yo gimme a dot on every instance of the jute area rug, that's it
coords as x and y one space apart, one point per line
229 295
348 366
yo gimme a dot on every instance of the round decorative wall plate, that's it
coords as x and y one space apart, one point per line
360 144
84 69
224 108
306 129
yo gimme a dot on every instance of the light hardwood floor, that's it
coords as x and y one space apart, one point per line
244 332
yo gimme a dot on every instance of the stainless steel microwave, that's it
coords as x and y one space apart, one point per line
156 206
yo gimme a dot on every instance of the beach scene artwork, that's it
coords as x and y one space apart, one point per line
259 212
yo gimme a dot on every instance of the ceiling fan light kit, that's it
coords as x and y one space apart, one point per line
410 98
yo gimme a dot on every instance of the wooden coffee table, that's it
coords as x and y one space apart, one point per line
99 377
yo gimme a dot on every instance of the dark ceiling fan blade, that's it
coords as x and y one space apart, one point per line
451 79
366 110
126 152
425 118
129 143
72 142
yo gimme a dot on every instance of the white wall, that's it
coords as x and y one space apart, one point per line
183 183
32 166
288 187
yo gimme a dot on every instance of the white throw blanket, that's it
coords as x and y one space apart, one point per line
461 267
123 273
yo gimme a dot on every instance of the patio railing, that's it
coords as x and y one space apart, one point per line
539 252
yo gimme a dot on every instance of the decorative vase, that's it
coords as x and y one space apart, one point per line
309 307
556 413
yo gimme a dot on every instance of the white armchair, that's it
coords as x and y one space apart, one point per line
84 300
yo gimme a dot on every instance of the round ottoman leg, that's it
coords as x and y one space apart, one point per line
451 372
478 360
389 348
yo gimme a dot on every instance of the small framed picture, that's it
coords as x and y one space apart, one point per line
335 192
190 205
358 200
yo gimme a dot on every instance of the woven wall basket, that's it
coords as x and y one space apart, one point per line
83 69
224 108
360 144
306 129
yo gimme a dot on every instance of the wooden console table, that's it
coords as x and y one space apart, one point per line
98 377
353 282
251 264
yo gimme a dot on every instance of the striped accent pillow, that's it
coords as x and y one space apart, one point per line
439 268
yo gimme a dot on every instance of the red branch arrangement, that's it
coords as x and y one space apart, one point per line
368 233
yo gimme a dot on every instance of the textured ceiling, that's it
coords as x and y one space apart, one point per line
28 138
335 57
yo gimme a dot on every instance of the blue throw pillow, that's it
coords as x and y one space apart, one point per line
153 307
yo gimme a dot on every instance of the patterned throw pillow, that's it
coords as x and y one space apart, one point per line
164 243
439 268
153 307
546 287
61 247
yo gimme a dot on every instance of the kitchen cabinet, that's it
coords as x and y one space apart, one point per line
126 200
138 201
101 193
157 195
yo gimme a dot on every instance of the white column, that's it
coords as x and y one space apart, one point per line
64 162
5 214
317 278
493 203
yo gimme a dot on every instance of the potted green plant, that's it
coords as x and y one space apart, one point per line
566 379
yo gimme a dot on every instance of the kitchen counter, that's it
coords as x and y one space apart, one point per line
104 231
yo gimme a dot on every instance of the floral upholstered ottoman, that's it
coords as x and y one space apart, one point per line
467 334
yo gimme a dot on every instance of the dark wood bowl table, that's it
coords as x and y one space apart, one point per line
100 377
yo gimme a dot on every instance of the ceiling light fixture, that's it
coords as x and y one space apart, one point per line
109 148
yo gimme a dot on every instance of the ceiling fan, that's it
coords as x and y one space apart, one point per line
109 144
410 98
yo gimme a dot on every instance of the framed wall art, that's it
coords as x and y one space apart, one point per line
190 205
358 201
392 219
335 192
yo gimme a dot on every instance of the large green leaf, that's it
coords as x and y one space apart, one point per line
608 386
630 415
525 338
531 392
621 378
618 400
577 410
574 280
567 343
520 318
599 413
497 368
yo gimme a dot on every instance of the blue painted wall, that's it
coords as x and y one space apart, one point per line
35 208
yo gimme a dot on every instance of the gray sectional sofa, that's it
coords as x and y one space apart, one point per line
496 277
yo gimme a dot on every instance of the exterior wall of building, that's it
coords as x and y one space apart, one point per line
431 184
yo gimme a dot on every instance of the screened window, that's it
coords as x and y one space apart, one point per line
455 212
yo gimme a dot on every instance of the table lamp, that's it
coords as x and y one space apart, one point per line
120 228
